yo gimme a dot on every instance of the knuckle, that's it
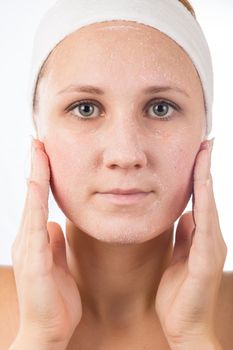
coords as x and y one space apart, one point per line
208 181
32 183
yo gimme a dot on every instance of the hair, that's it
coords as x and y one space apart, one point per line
186 3
189 7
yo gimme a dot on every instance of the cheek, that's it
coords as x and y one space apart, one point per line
69 165
178 163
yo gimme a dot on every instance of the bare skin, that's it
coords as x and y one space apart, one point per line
148 332
144 152
117 261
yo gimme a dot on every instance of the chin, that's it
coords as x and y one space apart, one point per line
123 229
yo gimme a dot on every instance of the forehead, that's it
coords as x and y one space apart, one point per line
121 48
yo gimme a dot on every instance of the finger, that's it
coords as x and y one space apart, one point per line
57 243
184 233
25 208
203 192
208 240
208 185
35 225
71 231
31 248
32 242
40 172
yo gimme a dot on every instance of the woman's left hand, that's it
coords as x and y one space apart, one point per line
187 294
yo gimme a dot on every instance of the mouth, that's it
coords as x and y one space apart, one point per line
125 199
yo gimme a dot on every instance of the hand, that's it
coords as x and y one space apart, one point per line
188 291
49 300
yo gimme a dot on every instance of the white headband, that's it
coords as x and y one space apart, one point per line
169 16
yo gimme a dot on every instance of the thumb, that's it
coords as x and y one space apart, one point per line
184 235
57 243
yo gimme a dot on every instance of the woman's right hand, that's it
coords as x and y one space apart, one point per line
49 301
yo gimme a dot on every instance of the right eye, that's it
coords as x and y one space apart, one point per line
85 108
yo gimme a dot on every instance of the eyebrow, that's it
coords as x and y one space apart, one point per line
97 91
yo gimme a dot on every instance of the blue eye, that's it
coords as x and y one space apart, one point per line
86 109
161 109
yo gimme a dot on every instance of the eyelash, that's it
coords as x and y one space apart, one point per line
156 101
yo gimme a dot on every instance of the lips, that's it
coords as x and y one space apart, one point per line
119 196
125 191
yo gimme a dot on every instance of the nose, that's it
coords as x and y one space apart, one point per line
125 148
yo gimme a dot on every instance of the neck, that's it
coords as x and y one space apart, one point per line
117 282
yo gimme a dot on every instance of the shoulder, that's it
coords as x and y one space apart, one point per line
9 315
224 311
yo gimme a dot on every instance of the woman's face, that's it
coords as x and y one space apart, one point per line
123 140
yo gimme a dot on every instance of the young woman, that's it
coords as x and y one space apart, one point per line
120 117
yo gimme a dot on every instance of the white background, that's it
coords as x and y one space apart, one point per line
18 21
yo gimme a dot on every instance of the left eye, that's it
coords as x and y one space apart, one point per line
161 108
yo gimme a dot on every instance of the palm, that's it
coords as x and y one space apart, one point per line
180 296
65 288
173 293
59 295
66 300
